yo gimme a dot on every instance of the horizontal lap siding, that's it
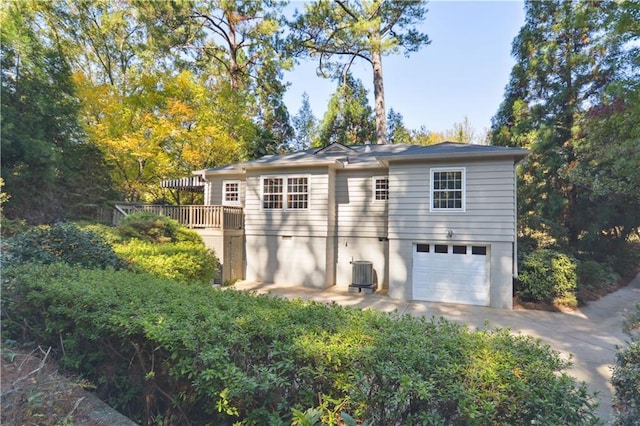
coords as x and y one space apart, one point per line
490 204
310 222
357 213
215 189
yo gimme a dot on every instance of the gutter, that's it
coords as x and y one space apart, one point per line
516 154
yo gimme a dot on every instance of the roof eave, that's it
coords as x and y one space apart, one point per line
291 164
516 154
205 172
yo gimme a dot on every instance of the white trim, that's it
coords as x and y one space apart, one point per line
285 184
463 189
374 188
224 192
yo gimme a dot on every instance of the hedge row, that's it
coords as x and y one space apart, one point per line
160 351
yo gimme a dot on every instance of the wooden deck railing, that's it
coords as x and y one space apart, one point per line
191 216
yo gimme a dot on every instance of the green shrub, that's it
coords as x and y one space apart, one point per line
11 227
185 262
207 356
547 275
626 373
631 324
62 243
626 381
592 274
108 233
155 229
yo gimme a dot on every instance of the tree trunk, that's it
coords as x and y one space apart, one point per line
378 91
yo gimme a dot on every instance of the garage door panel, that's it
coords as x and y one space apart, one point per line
454 277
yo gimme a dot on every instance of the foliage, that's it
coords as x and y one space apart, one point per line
186 262
234 43
108 233
592 274
626 381
396 130
348 119
605 171
166 127
50 172
359 30
10 227
546 275
462 132
304 124
626 373
159 353
631 324
161 246
572 101
150 111
156 229
423 136
62 243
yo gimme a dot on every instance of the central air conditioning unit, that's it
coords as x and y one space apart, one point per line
362 273
362 277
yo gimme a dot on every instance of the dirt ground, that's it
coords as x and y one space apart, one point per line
34 392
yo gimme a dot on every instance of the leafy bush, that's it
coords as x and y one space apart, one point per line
62 243
547 275
592 274
207 356
155 229
108 233
626 373
11 227
626 381
185 262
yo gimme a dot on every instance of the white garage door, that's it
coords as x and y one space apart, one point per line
451 273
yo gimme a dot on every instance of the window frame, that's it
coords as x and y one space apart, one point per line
226 202
286 199
375 190
462 190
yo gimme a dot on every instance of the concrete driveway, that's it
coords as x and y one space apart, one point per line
589 336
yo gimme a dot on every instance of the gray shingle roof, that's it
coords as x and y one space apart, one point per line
373 154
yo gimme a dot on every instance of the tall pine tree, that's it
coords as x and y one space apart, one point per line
349 118
560 70
366 30
305 125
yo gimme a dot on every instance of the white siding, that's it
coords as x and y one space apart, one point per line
310 222
490 213
213 193
358 214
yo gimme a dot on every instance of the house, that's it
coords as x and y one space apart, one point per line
436 223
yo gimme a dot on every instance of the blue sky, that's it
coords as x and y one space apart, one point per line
463 72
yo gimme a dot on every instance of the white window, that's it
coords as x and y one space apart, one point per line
447 189
297 193
290 192
272 193
231 193
381 188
